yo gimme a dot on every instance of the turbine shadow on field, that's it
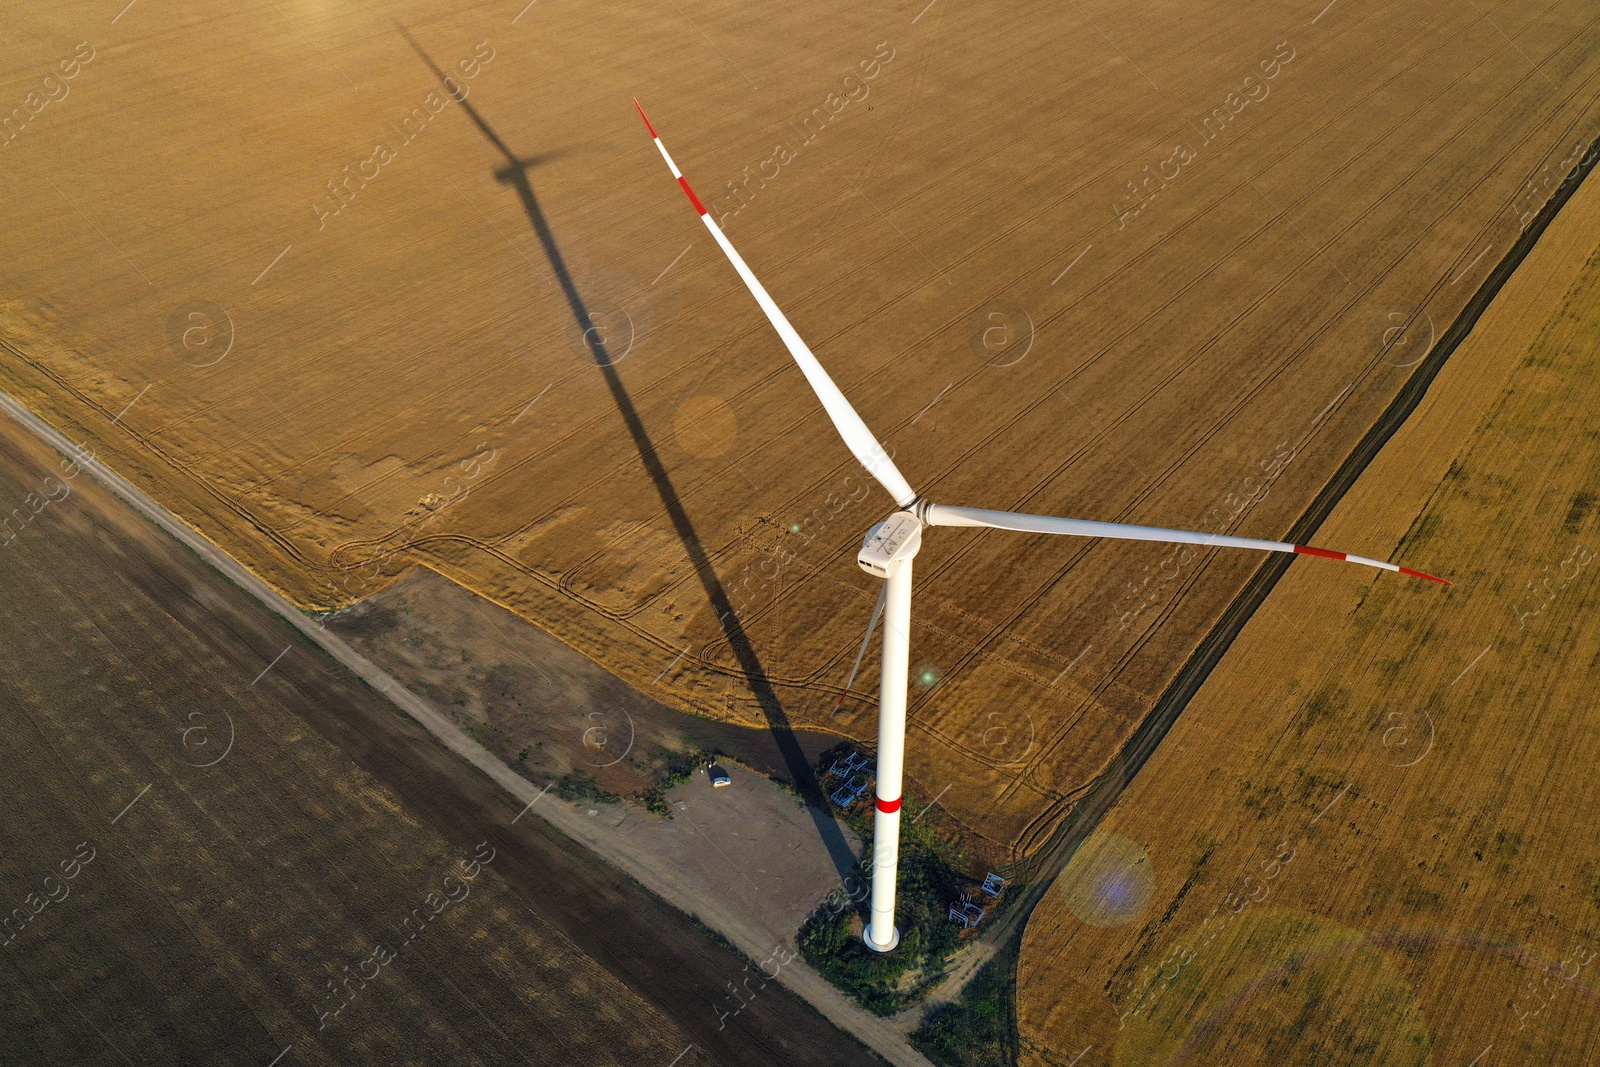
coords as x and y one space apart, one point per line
515 173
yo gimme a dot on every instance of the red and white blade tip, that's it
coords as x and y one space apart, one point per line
646 118
683 183
1309 550
1423 574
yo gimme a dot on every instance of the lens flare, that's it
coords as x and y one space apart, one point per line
1108 882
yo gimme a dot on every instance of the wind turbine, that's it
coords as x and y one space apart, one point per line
890 547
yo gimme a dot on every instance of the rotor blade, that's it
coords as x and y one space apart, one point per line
862 444
877 613
945 515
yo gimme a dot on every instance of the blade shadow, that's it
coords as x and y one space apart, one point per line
804 779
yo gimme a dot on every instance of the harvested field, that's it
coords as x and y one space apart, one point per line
1065 258
1368 838
221 848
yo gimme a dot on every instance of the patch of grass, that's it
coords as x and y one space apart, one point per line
1327 702
1309 786
581 785
1505 847
1582 504
1422 530
1265 800
1420 898
654 800
884 983
979 1030
1589 871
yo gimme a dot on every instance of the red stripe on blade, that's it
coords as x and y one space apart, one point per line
1420 574
888 807
642 115
695 200
1307 550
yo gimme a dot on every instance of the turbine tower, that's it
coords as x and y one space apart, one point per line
890 548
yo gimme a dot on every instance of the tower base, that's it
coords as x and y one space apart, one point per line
894 943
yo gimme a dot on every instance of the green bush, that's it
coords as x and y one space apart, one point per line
581 785
676 768
655 801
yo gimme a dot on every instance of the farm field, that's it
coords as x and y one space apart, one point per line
222 848
1135 265
1367 839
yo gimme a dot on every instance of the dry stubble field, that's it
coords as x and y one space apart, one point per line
1125 263
1369 839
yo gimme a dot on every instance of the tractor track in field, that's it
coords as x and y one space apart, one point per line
708 656
1038 871
759 329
